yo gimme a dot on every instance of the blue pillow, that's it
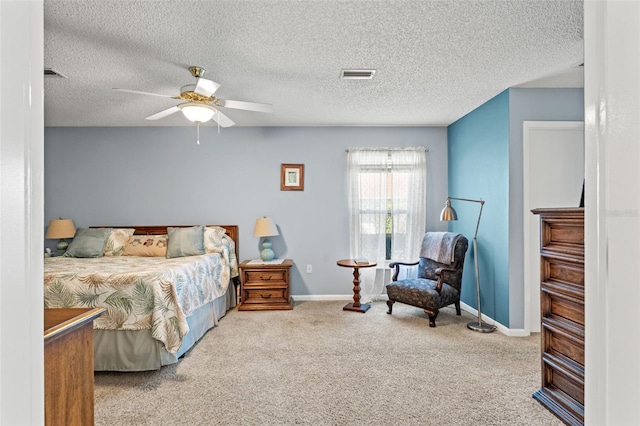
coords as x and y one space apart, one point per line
185 241
88 242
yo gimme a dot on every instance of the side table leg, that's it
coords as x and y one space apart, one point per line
356 306
356 287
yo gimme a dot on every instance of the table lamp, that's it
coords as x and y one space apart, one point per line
448 213
265 228
63 229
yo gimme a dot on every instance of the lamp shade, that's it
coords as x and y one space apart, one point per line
60 228
448 213
265 228
198 113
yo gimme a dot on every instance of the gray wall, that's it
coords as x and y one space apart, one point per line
529 105
158 175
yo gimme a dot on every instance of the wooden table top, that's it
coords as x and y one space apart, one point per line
59 321
351 263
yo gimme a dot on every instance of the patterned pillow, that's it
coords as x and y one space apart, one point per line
146 246
117 240
213 239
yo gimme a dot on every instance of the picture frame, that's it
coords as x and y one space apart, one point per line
291 177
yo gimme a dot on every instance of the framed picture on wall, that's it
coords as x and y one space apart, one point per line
292 177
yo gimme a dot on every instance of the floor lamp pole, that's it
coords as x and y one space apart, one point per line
475 326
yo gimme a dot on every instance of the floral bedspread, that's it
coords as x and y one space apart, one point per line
139 292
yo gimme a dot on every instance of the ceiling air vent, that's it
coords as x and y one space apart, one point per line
50 72
357 74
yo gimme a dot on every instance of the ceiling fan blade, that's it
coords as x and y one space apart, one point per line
144 93
163 114
222 119
249 106
206 87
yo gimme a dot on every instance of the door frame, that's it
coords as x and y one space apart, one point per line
527 128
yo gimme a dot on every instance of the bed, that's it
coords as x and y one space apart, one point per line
157 308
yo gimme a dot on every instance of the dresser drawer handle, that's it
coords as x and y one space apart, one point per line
265 296
263 278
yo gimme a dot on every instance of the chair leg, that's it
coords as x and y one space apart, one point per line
390 305
457 303
432 317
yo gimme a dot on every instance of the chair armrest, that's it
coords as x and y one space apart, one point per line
439 273
397 265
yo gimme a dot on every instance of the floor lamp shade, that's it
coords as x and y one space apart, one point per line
61 229
265 227
448 214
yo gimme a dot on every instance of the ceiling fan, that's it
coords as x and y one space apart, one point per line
200 104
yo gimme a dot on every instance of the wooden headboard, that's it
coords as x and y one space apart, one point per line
231 231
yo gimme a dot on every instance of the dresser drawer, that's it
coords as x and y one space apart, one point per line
562 235
566 380
266 295
557 270
564 340
556 303
252 277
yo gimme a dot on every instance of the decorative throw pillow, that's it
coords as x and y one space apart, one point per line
185 241
213 239
146 246
88 242
116 241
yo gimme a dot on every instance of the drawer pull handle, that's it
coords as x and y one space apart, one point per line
265 278
265 296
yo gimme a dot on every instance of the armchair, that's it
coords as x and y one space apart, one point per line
438 283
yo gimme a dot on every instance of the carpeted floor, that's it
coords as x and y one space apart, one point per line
320 365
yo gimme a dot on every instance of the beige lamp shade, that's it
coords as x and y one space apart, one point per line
265 228
60 228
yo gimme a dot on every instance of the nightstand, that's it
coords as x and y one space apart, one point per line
265 286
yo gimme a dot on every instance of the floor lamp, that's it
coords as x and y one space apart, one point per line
448 214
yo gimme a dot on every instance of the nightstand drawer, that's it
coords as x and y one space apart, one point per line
266 277
266 295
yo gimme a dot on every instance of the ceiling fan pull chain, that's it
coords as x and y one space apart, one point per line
198 127
218 120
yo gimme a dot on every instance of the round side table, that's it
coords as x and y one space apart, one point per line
351 263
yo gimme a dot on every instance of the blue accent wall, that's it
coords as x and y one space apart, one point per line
478 153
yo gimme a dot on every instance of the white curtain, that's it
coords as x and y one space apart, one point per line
387 191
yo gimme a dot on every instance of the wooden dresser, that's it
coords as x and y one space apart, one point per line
265 286
562 312
68 366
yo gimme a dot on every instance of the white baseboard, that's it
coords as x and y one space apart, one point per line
511 332
329 297
322 297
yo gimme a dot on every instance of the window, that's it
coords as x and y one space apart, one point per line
387 202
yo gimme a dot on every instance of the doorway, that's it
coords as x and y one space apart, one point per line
553 175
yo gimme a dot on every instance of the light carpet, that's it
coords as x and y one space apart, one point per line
320 365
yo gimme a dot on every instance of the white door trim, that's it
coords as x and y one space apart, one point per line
528 127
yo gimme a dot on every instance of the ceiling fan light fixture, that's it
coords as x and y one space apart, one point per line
198 113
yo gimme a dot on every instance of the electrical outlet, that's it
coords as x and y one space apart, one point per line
309 269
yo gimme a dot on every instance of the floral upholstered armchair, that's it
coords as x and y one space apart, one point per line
439 280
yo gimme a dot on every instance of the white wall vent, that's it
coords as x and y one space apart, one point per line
357 74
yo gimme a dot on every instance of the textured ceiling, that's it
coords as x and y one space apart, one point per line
435 60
